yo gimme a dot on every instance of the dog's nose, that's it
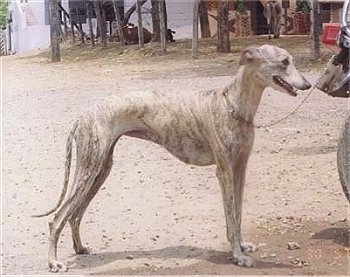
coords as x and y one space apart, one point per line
306 85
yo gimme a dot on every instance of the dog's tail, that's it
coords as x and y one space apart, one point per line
67 171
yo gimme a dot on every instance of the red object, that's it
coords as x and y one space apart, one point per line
330 33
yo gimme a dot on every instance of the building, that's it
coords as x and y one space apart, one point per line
28 26
29 29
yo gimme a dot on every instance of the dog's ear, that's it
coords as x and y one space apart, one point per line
249 55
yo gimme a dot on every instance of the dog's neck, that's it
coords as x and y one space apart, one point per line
243 95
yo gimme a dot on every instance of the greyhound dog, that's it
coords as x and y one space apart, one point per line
200 128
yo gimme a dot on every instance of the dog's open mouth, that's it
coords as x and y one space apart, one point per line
282 83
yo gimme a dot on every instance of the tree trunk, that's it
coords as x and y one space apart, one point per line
72 30
89 16
66 29
55 31
162 25
101 24
195 28
81 32
204 19
103 12
119 23
223 45
165 16
139 25
155 20
315 19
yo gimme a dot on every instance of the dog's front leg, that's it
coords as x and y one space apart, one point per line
239 166
231 179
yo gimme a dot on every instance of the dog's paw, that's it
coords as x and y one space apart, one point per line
242 260
56 266
83 250
247 247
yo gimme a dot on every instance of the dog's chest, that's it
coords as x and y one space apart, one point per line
190 150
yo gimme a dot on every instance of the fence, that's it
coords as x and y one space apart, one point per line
3 48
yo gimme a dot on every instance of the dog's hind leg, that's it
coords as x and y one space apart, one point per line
72 210
75 220
94 161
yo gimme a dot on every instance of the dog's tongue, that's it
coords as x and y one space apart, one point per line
282 83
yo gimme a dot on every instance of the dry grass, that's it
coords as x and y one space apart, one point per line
298 46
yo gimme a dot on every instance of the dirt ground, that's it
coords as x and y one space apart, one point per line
156 215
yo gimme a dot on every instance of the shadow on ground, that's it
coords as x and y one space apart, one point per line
177 252
340 236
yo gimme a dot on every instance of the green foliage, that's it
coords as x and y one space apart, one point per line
3 13
303 6
240 7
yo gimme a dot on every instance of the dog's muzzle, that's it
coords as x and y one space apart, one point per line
285 85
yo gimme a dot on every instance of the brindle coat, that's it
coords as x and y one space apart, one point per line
201 128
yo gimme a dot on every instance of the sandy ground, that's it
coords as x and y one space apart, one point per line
155 215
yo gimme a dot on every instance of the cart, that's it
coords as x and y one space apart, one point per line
335 81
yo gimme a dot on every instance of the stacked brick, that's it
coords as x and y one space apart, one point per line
242 25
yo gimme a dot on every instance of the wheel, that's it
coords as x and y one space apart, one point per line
335 79
343 158
341 91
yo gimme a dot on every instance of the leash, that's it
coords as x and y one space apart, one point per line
273 123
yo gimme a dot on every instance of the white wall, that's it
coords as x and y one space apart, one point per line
180 16
26 38
38 8
33 38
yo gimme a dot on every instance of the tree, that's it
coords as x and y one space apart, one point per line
223 44
55 28
204 19
155 20
119 23
3 13
89 12
101 22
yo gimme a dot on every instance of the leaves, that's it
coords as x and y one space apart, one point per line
3 13
303 6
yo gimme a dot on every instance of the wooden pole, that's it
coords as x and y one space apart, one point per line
89 15
162 26
139 24
101 23
104 37
285 21
195 29
55 31
119 23
315 41
81 31
72 27
65 26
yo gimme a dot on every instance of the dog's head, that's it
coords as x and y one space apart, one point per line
275 68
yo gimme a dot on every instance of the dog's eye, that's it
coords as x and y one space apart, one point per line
285 62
